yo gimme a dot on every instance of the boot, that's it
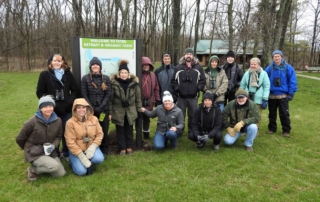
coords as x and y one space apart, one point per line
146 135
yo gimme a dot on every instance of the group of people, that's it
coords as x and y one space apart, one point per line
231 100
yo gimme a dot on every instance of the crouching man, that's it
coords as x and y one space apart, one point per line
170 121
207 122
241 115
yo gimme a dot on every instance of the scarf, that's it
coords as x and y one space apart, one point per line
213 72
254 76
59 73
52 118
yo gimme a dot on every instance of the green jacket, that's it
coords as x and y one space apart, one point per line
248 113
133 95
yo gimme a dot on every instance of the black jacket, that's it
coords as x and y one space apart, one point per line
48 84
234 74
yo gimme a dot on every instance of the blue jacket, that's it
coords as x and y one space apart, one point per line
287 77
264 86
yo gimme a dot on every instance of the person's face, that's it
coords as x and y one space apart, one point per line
81 110
47 110
254 65
146 67
166 60
95 69
277 59
242 100
168 104
230 59
207 102
124 74
57 62
214 64
188 57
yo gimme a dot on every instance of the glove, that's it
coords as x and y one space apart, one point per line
50 149
90 151
264 104
231 131
238 126
204 138
289 97
215 96
158 102
84 160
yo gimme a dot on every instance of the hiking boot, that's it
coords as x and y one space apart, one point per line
32 176
285 134
270 132
216 147
249 149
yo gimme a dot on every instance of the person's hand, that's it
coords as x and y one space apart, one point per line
110 117
173 128
50 149
84 160
264 104
143 109
289 97
90 151
215 96
238 126
158 102
231 131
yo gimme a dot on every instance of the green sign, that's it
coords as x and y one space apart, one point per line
107 43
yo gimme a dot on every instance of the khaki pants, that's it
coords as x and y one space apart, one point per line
47 164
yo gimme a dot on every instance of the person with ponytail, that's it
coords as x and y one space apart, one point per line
96 90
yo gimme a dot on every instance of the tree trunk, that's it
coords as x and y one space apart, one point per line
176 29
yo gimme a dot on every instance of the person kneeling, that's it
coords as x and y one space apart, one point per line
207 122
170 121
244 116
83 136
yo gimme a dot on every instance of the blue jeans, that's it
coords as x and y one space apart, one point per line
78 168
221 107
160 140
252 130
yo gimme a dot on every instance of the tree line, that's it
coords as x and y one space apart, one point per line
31 30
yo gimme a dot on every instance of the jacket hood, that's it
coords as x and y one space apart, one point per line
83 102
214 57
183 60
147 61
133 77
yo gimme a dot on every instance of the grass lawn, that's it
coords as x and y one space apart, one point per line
279 169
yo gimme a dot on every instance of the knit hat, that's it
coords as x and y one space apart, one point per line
230 53
95 61
123 64
45 101
188 50
214 57
167 96
241 93
207 95
277 52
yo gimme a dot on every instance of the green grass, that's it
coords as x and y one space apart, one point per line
279 169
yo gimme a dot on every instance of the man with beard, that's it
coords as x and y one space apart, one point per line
187 82
234 74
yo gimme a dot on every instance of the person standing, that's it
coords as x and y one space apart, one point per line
283 85
240 116
164 74
96 90
187 82
150 93
83 136
207 123
124 105
170 122
44 127
216 81
59 82
234 74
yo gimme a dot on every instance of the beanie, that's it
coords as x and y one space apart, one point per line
208 95
277 52
167 96
188 50
45 101
95 61
230 53
241 93
123 64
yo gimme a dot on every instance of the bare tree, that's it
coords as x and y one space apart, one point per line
176 29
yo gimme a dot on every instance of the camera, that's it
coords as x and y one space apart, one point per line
200 144
187 78
251 95
146 102
86 139
125 103
212 84
59 95
277 82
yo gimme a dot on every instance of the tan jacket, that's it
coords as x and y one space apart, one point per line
77 129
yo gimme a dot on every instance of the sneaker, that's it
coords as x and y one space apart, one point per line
32 176
250 149
216 147
270 132
285 134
